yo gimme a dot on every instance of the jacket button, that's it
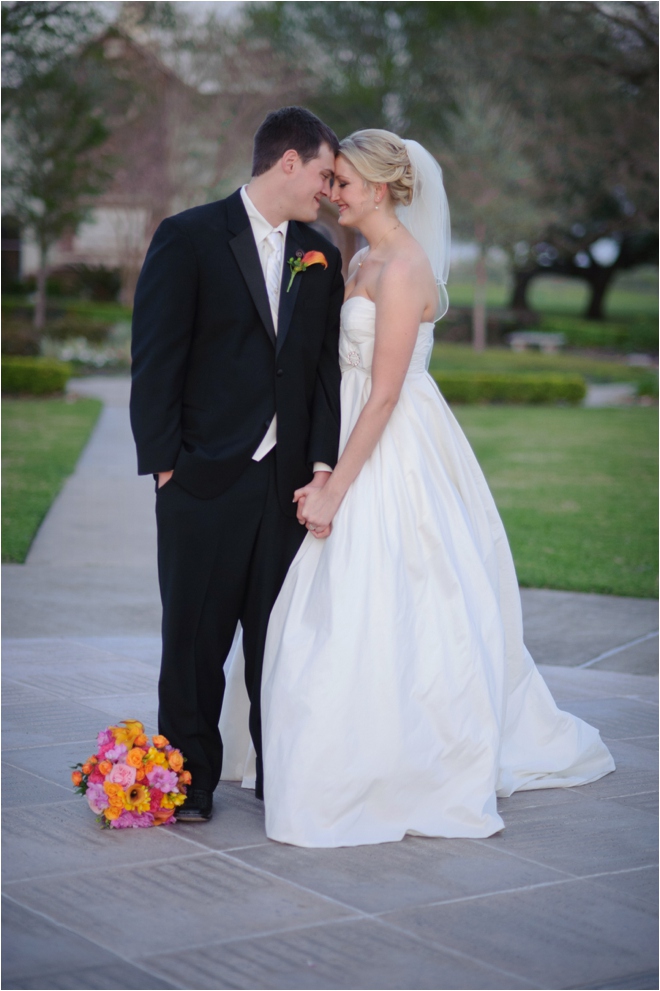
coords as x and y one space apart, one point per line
280 372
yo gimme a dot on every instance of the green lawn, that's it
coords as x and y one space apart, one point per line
462 357
577 490
41 442
555 295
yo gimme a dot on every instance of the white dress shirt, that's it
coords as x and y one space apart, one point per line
261 229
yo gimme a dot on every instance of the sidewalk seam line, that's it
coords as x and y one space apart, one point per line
526 887
425 941
74 932
97 870
617 650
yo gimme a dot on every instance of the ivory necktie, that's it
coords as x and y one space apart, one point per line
274 271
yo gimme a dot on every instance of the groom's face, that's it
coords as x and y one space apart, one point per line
309 183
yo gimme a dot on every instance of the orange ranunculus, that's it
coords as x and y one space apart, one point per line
160 741
87 768
92 760
134 757
175 760
77 777
141 740
140 774
185 778
148 768
105 767
115 794
112 813
314 258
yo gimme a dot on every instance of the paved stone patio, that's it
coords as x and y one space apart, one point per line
565 897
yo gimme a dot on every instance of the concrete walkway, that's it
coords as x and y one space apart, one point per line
565 897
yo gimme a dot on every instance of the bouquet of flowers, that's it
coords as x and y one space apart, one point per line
131 782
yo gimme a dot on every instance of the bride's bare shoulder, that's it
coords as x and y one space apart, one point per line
408 260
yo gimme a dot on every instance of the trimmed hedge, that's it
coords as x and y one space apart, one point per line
648 386
517 388
34 376
635 334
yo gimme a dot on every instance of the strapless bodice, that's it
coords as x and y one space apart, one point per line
356 338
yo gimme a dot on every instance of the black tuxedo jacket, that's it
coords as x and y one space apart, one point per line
208 370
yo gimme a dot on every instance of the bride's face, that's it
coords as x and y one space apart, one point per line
354 197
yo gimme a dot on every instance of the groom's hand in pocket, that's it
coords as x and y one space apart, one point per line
164 477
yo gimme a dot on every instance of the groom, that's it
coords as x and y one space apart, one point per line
234 405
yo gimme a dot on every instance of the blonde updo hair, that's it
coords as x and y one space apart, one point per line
381 156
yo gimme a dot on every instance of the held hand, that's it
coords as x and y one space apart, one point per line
164 477
317 510
319 480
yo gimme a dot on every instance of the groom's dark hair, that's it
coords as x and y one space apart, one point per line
290 128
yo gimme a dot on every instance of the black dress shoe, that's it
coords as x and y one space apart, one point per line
198 806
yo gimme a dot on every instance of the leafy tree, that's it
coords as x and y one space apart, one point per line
493 189
577 81
372 64
53 127
583 78
36 35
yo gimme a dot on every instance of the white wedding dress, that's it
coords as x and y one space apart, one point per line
398 696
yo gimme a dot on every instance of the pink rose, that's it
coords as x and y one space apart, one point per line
122 774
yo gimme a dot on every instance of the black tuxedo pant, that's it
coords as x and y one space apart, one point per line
220 561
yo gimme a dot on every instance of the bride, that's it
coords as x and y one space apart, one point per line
397 695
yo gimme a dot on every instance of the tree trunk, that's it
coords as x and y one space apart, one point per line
479 307
599 280
520 287
40 302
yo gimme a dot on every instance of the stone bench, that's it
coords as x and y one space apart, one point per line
520 340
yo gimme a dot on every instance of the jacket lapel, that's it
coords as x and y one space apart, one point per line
247 256
288 299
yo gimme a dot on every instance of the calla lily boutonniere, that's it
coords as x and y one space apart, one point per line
301 263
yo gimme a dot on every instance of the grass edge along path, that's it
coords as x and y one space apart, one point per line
41 442
577 491
576 488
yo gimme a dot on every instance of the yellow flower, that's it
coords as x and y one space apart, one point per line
156 757
172 799
137 798
128 731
